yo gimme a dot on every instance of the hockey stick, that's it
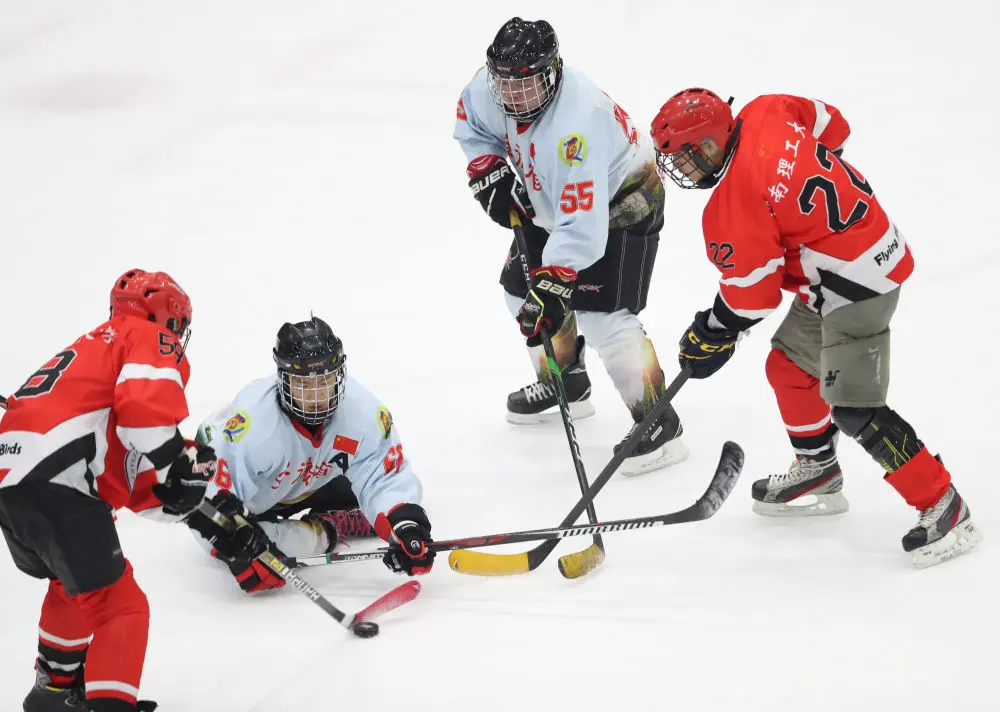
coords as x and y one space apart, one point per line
393 599
3 403
581 562
483 563
725 476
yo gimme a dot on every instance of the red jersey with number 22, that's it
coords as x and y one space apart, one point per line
791 214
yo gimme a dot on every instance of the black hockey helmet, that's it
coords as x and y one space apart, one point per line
524 68
312 373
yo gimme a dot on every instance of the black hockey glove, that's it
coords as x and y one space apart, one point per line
408 532
705 350
239 549
547 303
188 476
496 188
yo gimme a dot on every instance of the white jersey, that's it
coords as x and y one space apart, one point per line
573 160
267 459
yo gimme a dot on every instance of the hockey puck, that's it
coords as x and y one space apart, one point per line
365 629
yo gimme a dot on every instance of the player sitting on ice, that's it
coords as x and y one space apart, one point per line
312 439
787 212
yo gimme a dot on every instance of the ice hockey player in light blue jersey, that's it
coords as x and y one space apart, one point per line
312 438
592 205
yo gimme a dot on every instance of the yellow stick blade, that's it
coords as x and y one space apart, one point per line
477 563
580 563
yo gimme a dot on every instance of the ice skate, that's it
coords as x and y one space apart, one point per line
660 446
46 697
943 531
809 488
536 402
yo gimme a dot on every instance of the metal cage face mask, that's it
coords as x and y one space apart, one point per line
312 398
524 98
687 168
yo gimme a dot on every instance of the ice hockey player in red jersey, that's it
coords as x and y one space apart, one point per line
787 212
93 430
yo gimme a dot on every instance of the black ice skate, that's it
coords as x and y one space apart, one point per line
536 403
809 488
660 446
44 697
943 531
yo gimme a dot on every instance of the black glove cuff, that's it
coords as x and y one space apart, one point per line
409 512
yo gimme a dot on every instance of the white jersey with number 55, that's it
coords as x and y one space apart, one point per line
573 160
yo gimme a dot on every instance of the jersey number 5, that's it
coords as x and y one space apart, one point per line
807 202
577 196
44 379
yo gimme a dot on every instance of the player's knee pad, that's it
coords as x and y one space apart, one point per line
121 599
784 373
889 439
852 421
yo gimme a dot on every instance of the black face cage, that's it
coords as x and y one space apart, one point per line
689 161
528 95
311 398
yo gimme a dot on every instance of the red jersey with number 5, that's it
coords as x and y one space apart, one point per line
790 213
100 416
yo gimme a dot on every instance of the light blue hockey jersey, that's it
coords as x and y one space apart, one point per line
574 159
266 458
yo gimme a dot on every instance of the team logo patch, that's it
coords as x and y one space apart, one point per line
237 426
384 421
572 149
460 112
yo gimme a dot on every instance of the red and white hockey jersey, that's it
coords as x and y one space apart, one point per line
791 214
100 416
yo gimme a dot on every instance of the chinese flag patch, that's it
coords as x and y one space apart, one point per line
348 445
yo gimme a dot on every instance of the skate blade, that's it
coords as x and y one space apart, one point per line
670 454
810 505
579 410
959 540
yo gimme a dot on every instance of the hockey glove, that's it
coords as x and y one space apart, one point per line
547 303
705 350
188 476
239 549
408 532
496 188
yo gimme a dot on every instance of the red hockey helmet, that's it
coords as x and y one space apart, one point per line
154 296
683 124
